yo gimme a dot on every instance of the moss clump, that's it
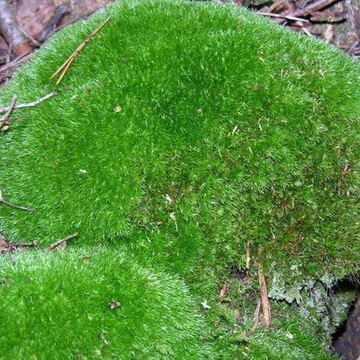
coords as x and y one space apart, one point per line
94 304
183 131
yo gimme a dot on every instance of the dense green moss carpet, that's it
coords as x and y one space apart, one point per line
181 132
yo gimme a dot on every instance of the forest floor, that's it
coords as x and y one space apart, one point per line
337 22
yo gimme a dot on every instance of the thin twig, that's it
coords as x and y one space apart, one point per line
7 70
29 104
8 247
3 201
65 66
57 243
4 121
23 243
265 304
291 18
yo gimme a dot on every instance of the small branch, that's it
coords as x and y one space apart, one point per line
291 18
3 201
7 70
4 121
65 66
23 243
30 104
57 243
308 10
265 304
8 247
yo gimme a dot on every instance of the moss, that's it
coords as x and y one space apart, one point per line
94 304
180 133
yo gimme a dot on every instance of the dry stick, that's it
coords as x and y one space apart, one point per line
292 18
265 304
315 6
3 201
23 243
65 66
54 245
30 104
7 70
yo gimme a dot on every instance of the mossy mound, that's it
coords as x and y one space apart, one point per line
94 304
184 131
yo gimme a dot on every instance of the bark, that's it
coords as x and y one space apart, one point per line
18 42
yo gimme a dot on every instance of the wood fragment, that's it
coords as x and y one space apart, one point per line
54 246
65 66
29 104
265 304
3 201
287 17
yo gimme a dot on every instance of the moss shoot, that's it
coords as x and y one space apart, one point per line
182 132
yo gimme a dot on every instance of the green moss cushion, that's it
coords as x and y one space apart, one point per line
182 131
94 304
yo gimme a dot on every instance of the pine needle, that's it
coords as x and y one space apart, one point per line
65 66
